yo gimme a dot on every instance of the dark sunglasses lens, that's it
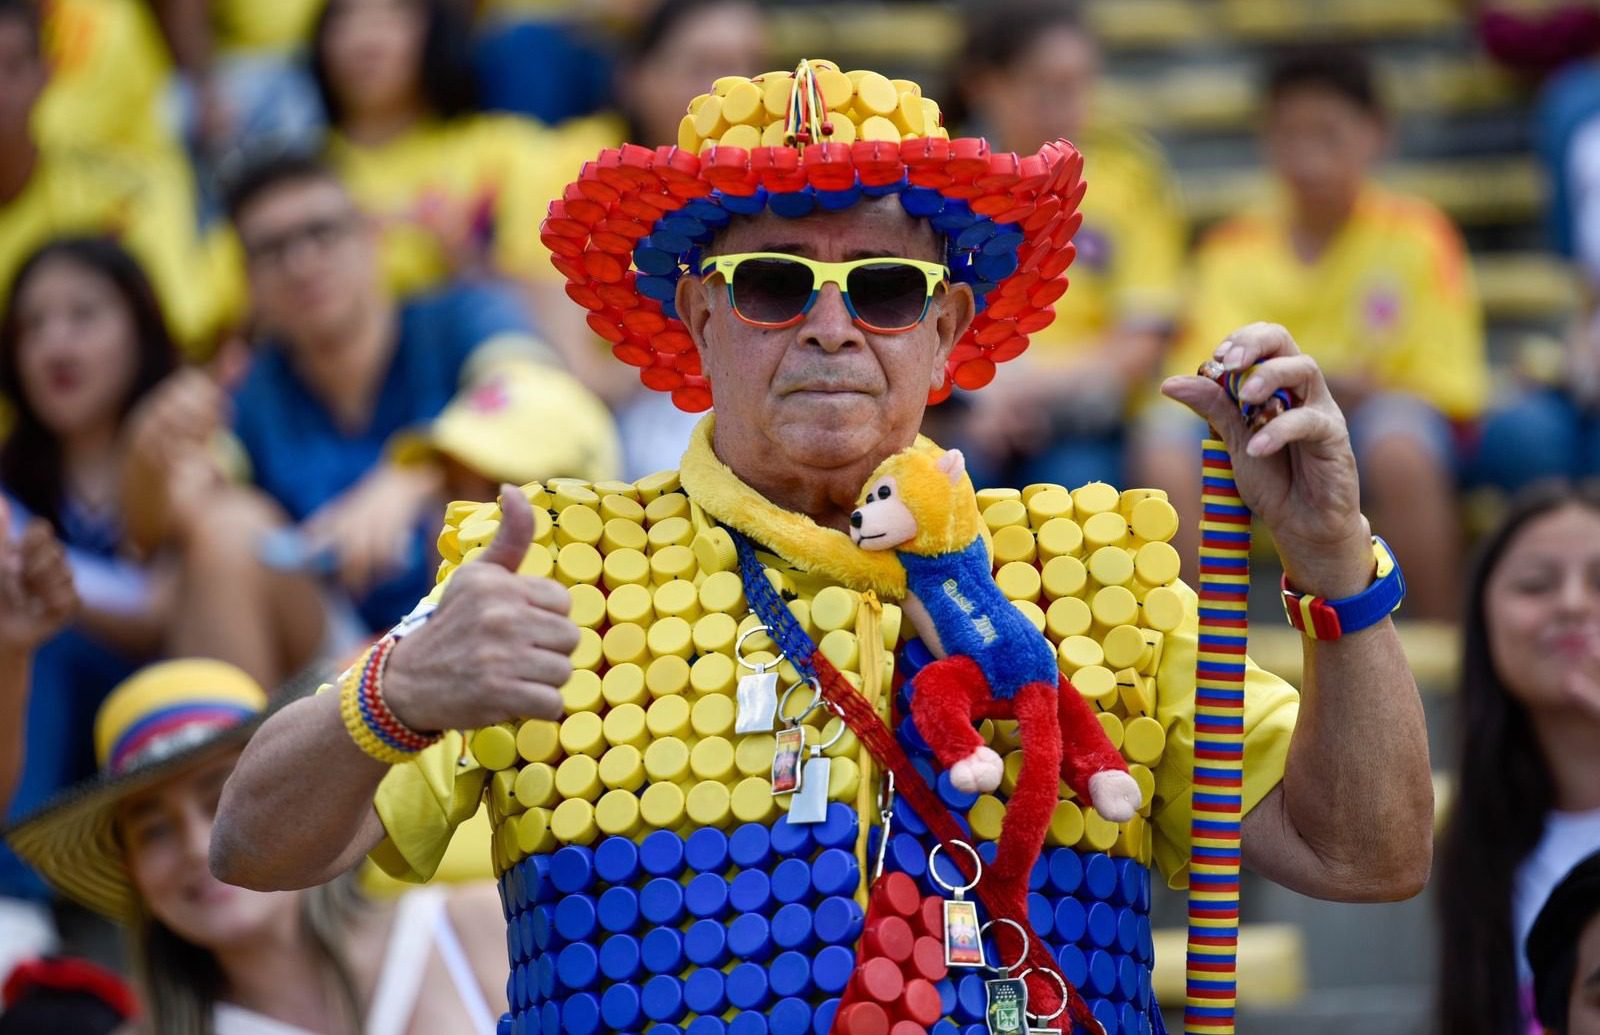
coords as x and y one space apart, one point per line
771 290
890 295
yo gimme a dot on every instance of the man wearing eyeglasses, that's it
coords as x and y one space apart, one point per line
818 296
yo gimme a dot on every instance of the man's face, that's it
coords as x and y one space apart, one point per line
1047 93
22 76
1322 145
823 393
1583 1010
312 259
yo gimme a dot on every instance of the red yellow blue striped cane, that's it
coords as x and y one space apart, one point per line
1218 789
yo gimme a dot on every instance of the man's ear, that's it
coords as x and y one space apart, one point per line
956 310
693 303
953 464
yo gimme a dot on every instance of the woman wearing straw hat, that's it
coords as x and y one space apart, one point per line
133 844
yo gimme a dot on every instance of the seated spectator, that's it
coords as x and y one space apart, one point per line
48 188
1527 799
344 369
1377 285
1564 954
84 356
1029 73
455 193
545 61
680 47
65 996
1549 430
210 958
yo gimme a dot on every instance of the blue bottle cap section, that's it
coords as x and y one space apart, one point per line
753 930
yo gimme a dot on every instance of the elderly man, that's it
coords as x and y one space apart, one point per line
651 876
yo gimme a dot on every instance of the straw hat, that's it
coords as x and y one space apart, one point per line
160 721
814 139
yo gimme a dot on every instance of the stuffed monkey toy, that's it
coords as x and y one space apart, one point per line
992 662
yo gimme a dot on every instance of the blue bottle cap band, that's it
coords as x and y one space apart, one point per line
707 850
661 854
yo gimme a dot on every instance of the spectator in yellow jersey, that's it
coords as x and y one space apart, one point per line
1030 70
454 193
1376 285
48 189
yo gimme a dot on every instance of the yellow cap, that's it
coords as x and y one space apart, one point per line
752 800
985 817
1032 612
671 562
578 562
1096 683
1076 652
722 592
1113 727
652 486
1133 692
622 768
583 734
664 506
844 779
1163 609
668 717
1063 576
1156 564
712 715
578 524
712 759
535 786
495 747
672 531
1014 543
1124 645
1111 566
618 504
533 833
502 793
834 607
623 684
1115 605
1005 513
1066 825
1147 784
564 492
1143 740
573 822
708 804
588 652
624 567
661 805
538 740
537 562
1154 520
582 692
624 724
617 814
889 625
713 674
1011 772
715 633
1018 580
671 637
1099 833
630 604
666 760
1060 537
1093 498
1049 502
679 598
588 606
990 496
1107 528
753 754
624 643
578 776
714 551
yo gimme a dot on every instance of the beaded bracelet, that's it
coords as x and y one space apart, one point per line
371 724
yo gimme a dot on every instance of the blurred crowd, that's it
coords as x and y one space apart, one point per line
274 294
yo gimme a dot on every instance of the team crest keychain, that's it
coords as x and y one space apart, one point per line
1006 997
757 693
963 945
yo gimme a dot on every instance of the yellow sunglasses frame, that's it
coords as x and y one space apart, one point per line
827 273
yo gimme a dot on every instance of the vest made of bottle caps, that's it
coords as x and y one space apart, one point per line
650 878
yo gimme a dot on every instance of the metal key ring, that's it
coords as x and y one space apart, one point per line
977 870
818 701
1066 993
738 650
1020 930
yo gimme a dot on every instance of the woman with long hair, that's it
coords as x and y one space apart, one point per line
1527 804
212 959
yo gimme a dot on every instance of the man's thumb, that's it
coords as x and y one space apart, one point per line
510 543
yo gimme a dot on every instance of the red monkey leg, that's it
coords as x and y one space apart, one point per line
1087 748
944 697
1031 806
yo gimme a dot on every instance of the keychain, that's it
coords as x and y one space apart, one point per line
962 935
885 820
758 692
1006 1011
810 801
1041 1025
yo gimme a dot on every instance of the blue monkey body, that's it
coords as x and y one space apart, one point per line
974 618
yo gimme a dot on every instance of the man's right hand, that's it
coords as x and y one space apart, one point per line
498 647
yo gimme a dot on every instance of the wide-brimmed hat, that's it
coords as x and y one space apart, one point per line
815 139
160 721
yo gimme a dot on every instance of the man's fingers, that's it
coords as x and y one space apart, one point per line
1254 342
535 700
1300 375
510 542
1302 424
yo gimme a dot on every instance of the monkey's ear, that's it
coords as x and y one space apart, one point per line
953 464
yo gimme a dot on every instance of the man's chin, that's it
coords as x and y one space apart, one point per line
831 428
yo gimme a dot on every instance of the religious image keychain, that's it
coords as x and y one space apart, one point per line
810 801
757 693
1006 1011
962 935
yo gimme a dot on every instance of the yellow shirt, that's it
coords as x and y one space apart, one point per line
1130 247
139 201
254 25
109 72
675 534
482 182
1391 297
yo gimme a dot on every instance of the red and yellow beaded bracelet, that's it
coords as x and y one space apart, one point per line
375 729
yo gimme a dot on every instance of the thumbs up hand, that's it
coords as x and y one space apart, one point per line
499 645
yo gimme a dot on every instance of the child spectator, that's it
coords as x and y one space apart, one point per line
1375 285
1564 954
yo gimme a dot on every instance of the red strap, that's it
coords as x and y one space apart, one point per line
869 728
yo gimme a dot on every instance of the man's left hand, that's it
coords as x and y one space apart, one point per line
1298 473
369 527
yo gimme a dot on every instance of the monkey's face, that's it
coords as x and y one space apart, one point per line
882 521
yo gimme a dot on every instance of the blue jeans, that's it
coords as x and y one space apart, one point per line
1542 434
72 673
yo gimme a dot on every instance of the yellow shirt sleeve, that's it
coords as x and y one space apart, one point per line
421 803
1441 355
1271 707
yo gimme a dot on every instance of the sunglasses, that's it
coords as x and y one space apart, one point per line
775 290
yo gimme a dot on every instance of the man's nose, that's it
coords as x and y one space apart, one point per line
828 325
